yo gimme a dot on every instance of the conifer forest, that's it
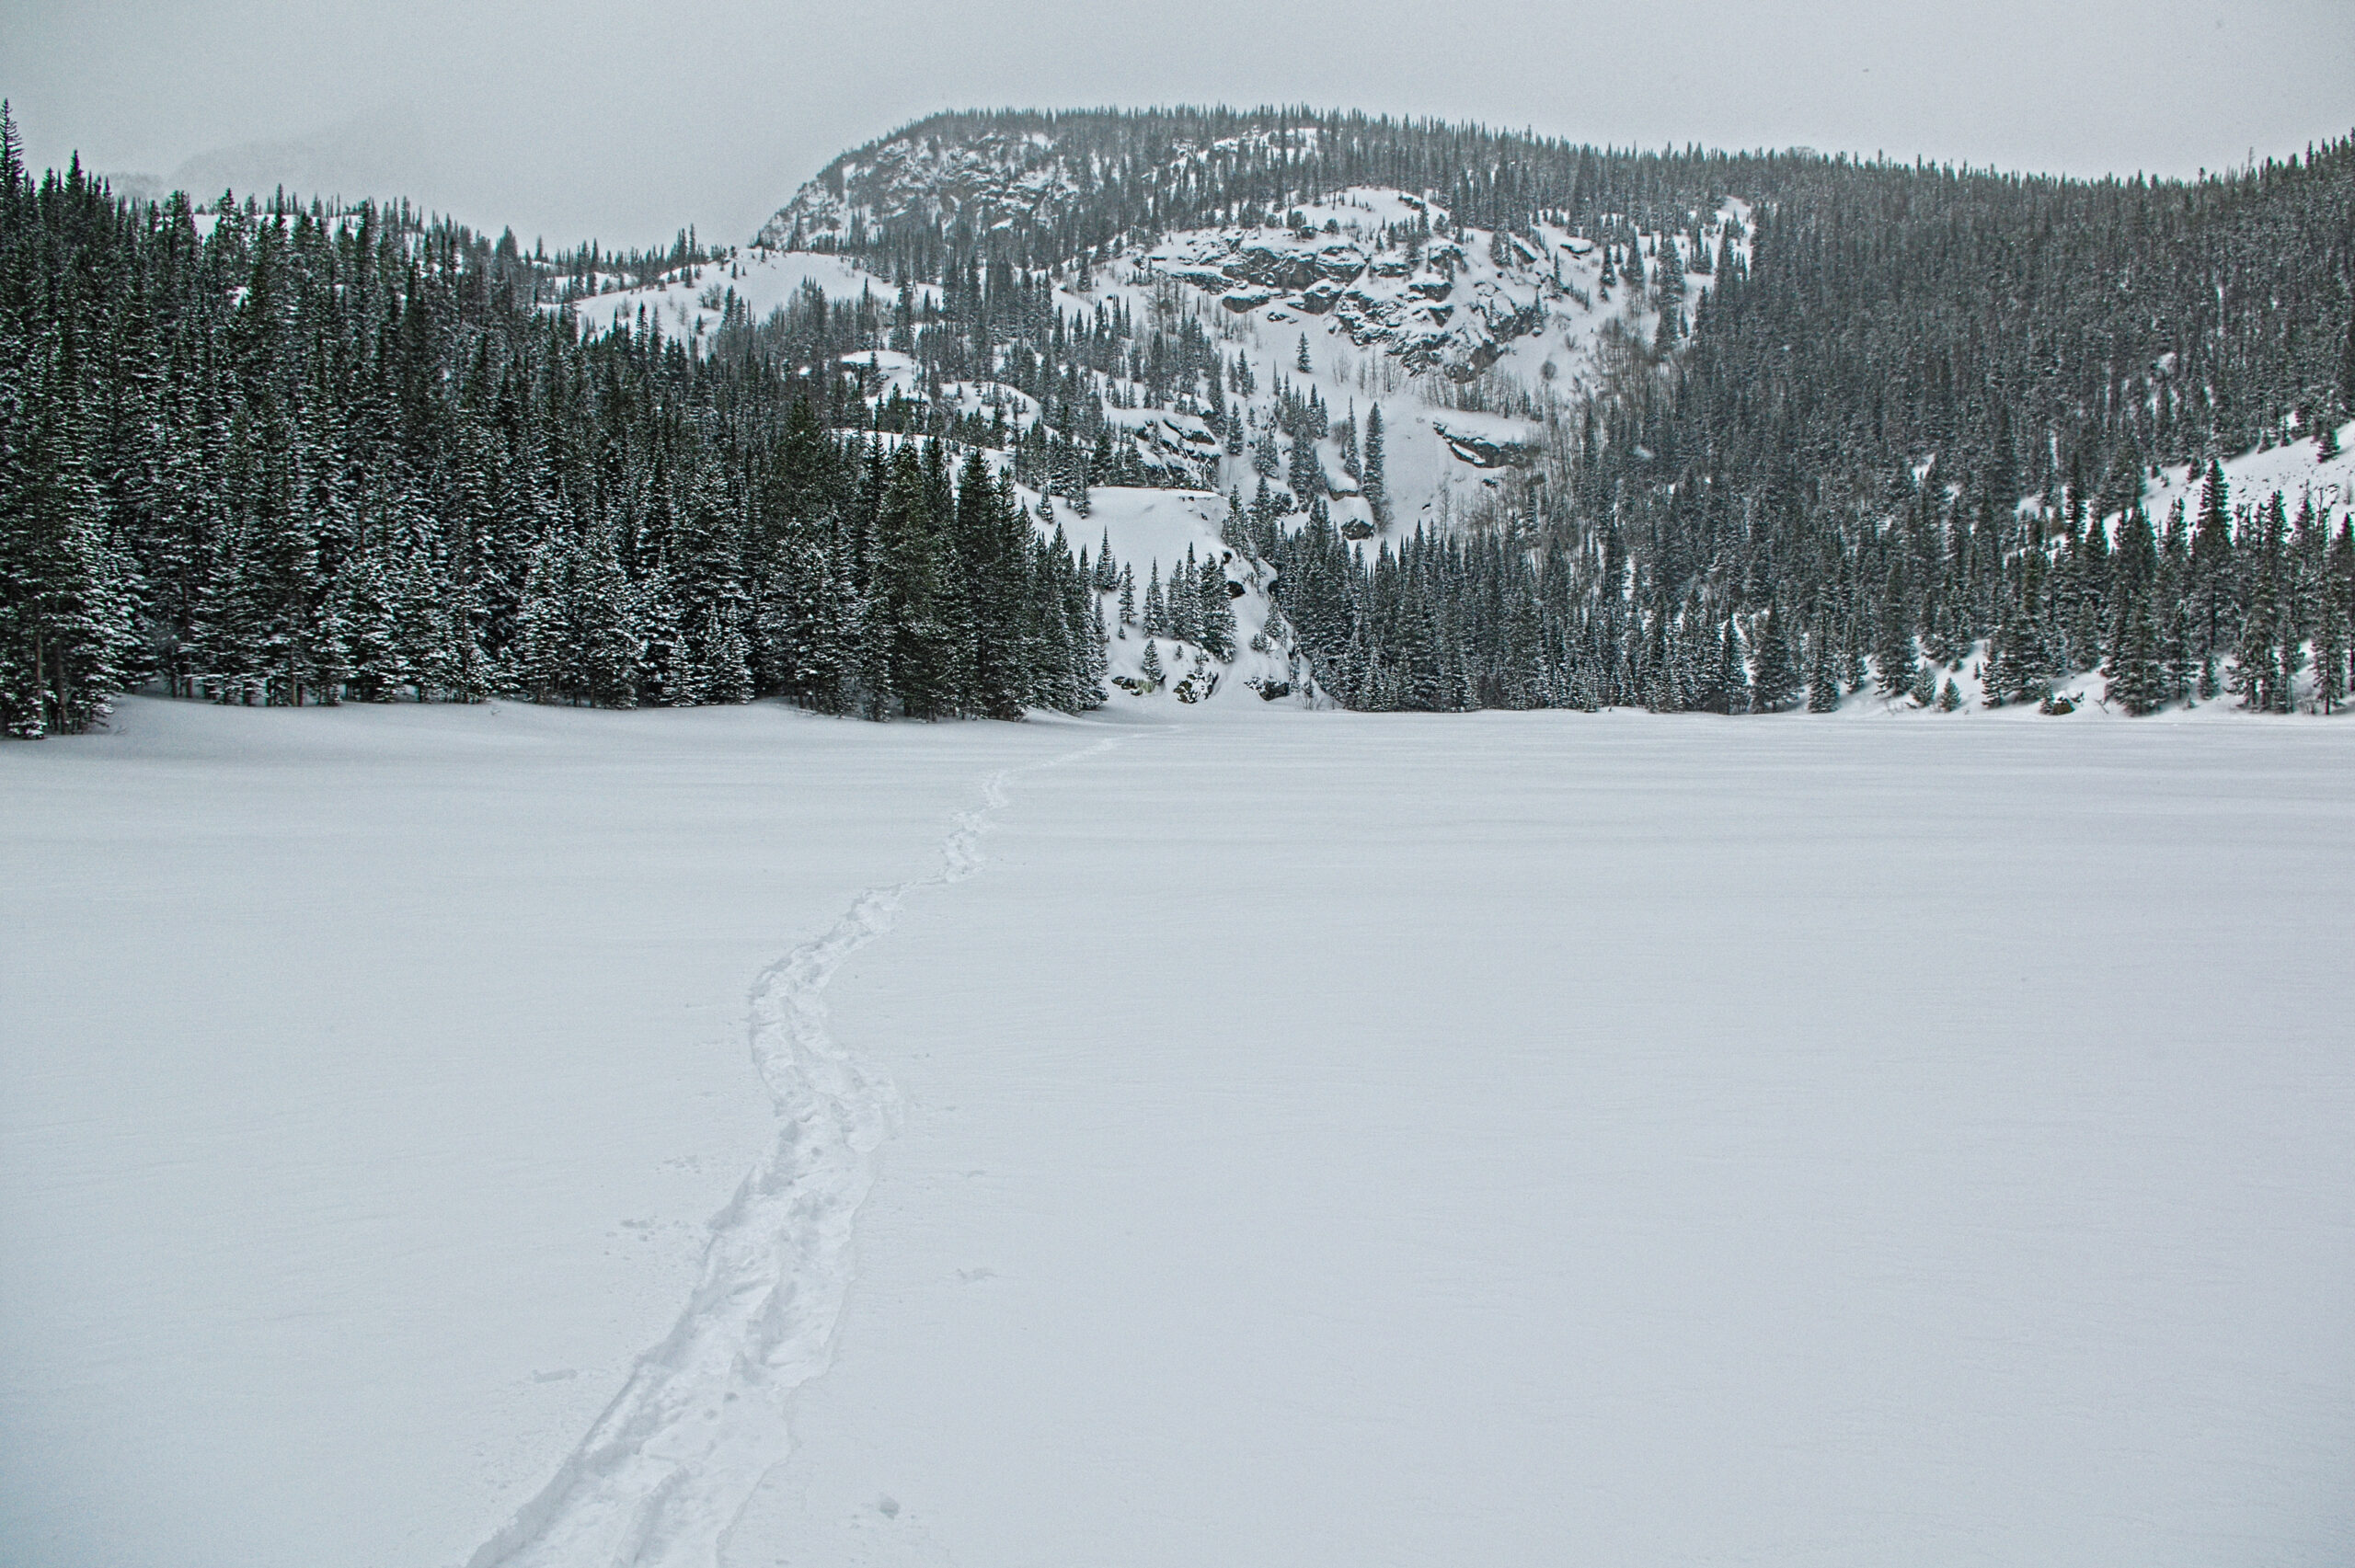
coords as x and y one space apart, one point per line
271 450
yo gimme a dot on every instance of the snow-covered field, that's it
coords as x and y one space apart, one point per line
1297 1139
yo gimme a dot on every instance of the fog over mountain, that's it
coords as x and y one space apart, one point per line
627 123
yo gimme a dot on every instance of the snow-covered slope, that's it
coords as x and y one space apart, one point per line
1469 340
1156 535
692 300
2291 470
983 180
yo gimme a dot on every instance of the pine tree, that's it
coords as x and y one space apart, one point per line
2137 680
67 613
2268 653
2346 368
1156 614
1265 457
1217 612
1732 693
2335 625
1824 686
1774 672
1896 657
1374 482
1182 599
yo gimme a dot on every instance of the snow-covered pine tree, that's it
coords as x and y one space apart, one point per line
1157 612
1374 482
1896 657
1183 599
1775 672
1217 612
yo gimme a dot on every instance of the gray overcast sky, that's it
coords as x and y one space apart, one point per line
627 119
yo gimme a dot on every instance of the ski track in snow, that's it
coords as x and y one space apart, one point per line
663 1473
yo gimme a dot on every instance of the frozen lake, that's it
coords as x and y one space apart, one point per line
1295 1139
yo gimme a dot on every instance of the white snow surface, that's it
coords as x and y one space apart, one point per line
763 281
2294 470
1213 1134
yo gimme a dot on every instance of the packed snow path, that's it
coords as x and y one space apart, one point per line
663 1473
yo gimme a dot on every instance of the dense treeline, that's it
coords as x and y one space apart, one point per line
1919 423
2240 599
284 456
1825 484
273 453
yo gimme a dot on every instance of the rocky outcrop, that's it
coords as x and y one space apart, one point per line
1429 309
1484 451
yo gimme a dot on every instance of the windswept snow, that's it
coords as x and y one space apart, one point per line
372 1079
1315 1138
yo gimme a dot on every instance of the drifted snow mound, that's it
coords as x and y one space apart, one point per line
667 1468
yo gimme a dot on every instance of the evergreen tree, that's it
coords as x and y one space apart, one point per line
918 596
2335 625
1824 686
2137 680
1217 612
1774 673
1374 482
1156 615
1896 657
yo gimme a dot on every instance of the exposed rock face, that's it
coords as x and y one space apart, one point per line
1484 451
1438 314
986 181
1382 267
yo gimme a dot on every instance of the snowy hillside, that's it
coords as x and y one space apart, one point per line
1160 538
1371 361
697 298
2293 469
1470 342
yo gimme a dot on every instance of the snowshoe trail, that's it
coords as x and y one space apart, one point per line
664 1471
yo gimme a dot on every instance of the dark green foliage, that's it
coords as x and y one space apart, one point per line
285 454
1774 675
292 454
